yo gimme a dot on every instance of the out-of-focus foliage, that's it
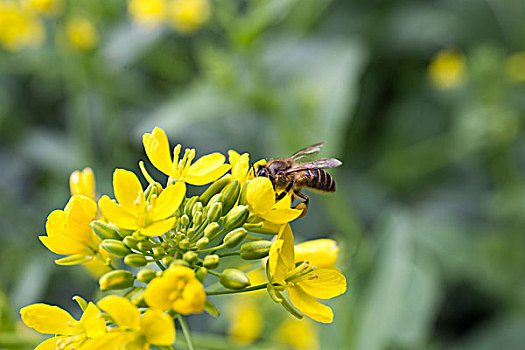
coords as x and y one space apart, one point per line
422 101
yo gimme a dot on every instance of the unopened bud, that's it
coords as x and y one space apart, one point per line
185 220
131 242
201 273
117 279
214 188
145 245
242 196
184 243
230 195
122 232
135 260
266 228
236 217
211 230
198 218
158 252
202 243
234 237
215 199
190 257
215 212
255 250
146 275
188 207
115 247
105 231
197 208
234 279
179 262
167 260
136 296
211 261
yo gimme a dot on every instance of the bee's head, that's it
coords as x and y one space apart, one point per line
264 171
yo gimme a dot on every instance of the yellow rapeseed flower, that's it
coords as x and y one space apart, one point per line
69 333
133 331
304 289
177 289
447 69
298 334
69 233
82 183
241 169
515 66
46 7
246 320
260 197
81 33
149 216
150 13
188 15
19 26
206 169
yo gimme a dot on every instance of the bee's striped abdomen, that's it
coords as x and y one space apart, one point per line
320 180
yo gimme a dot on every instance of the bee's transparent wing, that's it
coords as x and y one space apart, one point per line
308 150
324 163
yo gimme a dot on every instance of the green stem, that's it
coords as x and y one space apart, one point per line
186 331
159 264
214 273
250 289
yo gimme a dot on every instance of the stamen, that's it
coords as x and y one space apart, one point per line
176 152
145 173
188 162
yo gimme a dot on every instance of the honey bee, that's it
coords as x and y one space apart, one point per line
286 174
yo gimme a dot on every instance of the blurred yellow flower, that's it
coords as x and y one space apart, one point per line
133 331
150 13
206 169
515 66
188 15
447 69
304 288
46 7
260 197
246 320
178 289
81 33
298 334
151 216
19 27
82 183
69 333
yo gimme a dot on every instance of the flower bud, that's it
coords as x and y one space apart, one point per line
266 228
185 220
215 199
234 237
115 247
188 207
230 195
135 260
202 243
242 196
234 279
145 245
190 257
201 274
158 252
122 232
236 217
130 242
184 244
211 261
255 250
104 231
167 260
146 275
197 208
214 212
117 279
214 188
198 218
211 230
179 262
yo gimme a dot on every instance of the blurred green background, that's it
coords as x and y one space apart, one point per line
423 101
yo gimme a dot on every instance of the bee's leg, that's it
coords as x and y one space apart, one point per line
303 196
303 205
286 190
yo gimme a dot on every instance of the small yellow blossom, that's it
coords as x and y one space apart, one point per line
319 252
188 15
134 211
260 197
69 233
515 67
19 26
304 289
69 333
46 7
133 331
298 334
150 13
178 289
246 320
81 33
447 69
205 170
82 183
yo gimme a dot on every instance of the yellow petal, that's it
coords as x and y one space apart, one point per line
260 195
127 189
82 183
158 150
111 340
157 292
158 228
281 216
328 284
122 311
233 157
319 252
115 214
240 167
63 245
56 223
80 211
206 163
158 328
282 255
49 319
94 325
74 260
192 300
51 343
169 201
277 270
206 178
310 306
